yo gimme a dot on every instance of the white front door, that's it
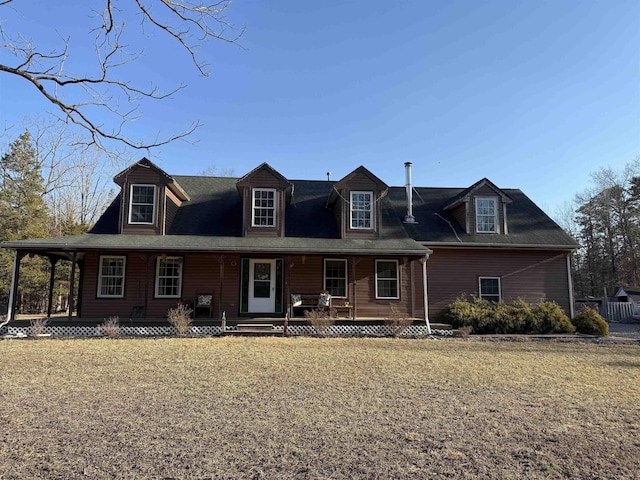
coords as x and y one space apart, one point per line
262 286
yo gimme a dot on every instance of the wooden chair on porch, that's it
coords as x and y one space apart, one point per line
203 303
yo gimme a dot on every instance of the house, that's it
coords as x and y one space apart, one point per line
256 246
628 294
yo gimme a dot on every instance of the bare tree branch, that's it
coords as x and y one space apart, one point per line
94 101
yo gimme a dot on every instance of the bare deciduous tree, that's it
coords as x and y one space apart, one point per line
214 171
101 99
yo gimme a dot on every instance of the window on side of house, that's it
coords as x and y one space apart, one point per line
111 276
362 210
142 204
489 288
387 279
486 215
335 277
168 277
263 212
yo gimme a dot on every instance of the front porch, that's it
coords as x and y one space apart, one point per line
62 325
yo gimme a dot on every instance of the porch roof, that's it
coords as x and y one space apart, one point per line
199 243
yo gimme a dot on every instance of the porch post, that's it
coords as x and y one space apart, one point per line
570 281
72 281
221 262
426 298
80 287
52 279
352 274
13 293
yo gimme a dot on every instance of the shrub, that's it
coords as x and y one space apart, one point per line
589 322
38 325
477 313
515 318
320 320
551 318
180 319
464 332
397 322
110 327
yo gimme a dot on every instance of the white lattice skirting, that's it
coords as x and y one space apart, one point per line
73 331
295 330
357 330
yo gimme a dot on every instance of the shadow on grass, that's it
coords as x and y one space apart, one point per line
624 364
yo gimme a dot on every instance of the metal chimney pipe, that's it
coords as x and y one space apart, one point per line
409 218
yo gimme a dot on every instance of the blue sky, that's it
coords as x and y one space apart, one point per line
532 94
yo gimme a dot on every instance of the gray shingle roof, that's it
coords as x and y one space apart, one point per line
212 220
527 224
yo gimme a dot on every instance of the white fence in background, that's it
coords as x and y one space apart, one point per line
619 312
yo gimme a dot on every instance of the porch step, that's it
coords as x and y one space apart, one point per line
253 329
255 326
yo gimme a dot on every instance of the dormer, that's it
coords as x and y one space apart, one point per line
265 194
150 199
481 209
355 201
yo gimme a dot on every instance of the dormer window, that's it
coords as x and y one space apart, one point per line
361 210
142 204
264 207
486 215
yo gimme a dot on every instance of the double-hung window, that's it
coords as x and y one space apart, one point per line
486 215
489 289
362 210
335 277
387 279
142 204
111 277
263 212
168 277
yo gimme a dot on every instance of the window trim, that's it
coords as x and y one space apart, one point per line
346 276
480 294
371 209
99 293
157 276
253 207
397 279
153 214
496 215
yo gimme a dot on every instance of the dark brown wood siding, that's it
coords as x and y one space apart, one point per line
459 213
202 273
143 176
220 275
527 274
343 210
306 274
365 301
263 179
136 286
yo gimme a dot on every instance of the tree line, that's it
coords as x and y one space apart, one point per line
606 222
49 186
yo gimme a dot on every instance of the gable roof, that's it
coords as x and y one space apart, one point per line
246 179
466 194
144 162
629 291
343 183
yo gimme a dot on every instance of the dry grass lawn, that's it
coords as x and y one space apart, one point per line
301 408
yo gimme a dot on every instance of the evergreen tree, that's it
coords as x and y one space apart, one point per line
23 214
